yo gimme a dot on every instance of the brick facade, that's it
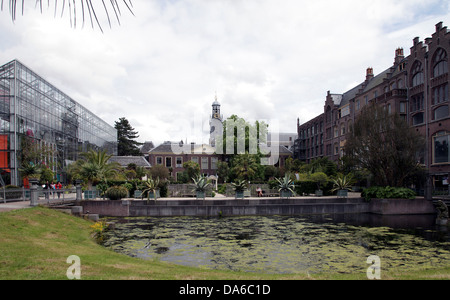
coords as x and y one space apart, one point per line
415 86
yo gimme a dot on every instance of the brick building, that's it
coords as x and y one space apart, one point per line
415 86
203 154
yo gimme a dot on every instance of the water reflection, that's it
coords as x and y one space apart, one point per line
285 244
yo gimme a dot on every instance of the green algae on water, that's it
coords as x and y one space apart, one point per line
273 244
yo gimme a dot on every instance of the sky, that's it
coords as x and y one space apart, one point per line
162 66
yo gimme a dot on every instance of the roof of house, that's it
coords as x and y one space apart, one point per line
124 161
168 148
148 145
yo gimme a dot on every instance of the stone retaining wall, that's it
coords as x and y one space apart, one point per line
264 206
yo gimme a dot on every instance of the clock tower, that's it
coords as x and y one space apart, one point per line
215 123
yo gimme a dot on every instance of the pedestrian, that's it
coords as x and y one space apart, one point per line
58 187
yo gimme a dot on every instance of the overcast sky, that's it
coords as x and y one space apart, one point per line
265 59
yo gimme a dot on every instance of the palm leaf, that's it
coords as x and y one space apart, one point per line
72 4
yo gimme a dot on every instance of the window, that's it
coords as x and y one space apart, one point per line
441 152
417 74
195 159
168 162
159 160
417 118
345 111
179 162
440 63
358 105
204 163
417 79
402 107
440 94
214 161
441 112
417 102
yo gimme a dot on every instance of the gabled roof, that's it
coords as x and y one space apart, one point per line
148 145
166 148
124 161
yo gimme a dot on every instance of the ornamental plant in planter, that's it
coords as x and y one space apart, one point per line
285 186
151 189
342 184
201 183
239 186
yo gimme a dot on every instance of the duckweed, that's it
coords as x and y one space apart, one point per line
275 244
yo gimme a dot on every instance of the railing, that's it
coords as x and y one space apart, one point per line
44 195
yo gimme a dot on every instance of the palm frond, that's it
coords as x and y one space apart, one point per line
72 7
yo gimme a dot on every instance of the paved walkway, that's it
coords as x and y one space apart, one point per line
8 206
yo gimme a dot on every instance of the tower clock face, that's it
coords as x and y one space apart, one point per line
216 115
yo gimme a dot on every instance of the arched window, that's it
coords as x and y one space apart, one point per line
440 64
417 74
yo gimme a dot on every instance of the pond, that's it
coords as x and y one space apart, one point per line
285 244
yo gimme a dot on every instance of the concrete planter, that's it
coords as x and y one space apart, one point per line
239 195
285 194
200 194
342 193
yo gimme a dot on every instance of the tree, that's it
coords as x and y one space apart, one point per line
126 137
244 136
94 167
191 169
245 166
385 145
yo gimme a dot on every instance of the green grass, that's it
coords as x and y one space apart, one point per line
36 242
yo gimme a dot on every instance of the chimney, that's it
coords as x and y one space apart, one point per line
369 74
399 56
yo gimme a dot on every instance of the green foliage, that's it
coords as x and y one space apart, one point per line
201 183
239 185
388 193
319 178
285 184
94 167
222 188
306 187
384 144
150 185
126 138
117 192
191 169
342 182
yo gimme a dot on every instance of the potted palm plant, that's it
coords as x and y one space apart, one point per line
285 186
151 188
201 183
239 187
342 184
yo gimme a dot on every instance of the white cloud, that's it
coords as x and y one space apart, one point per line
264 58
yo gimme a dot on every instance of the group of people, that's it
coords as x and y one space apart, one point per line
53 186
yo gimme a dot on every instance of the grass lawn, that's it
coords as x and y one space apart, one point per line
36 242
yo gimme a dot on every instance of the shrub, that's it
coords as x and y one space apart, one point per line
388 193
117 192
